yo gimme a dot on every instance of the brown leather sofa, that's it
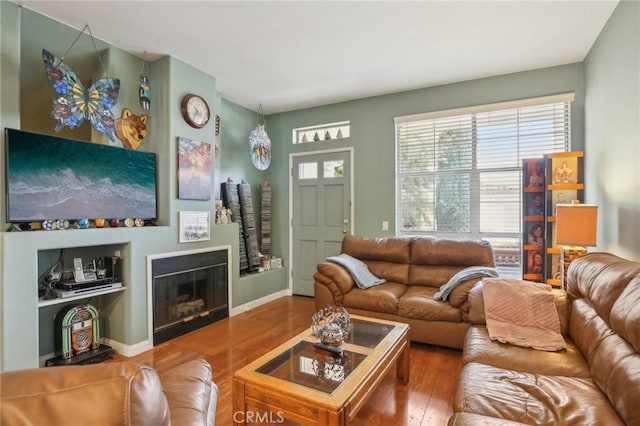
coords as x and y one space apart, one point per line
414 269
595 381
111 393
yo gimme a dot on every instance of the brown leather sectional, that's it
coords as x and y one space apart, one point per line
595 381
110 393
414 268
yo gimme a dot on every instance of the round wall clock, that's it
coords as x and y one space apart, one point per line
195 111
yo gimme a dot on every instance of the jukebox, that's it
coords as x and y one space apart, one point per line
77 336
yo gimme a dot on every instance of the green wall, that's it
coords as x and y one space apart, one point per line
612 84
373 138
236 124
24 90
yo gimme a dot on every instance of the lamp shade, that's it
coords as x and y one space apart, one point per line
576 224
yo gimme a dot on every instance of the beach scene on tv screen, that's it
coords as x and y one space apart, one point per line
56 178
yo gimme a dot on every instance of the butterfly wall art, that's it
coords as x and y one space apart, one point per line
75 103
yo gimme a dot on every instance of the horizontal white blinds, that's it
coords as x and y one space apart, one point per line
461 174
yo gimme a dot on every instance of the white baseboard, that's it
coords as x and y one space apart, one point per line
129 350
120 348
133 350
255 303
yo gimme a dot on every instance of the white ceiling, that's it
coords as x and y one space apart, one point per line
296 54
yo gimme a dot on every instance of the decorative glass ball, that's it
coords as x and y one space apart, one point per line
332 335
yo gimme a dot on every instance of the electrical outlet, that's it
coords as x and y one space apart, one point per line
385 225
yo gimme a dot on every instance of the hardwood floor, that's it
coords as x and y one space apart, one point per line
233 342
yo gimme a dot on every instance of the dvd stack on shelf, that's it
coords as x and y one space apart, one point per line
231 199
265 218
249 224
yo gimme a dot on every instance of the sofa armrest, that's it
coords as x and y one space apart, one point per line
336 278
191 393
476 307
106 393
460 294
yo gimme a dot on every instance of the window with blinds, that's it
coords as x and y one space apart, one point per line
458 172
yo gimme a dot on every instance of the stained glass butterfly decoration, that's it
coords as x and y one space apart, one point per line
74 103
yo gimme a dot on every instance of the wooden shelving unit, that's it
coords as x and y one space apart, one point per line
555 178
565 183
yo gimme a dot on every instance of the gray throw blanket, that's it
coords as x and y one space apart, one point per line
358 270
463 275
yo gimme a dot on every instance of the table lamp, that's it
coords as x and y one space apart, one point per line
576 227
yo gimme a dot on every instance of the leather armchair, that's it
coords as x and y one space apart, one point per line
111 393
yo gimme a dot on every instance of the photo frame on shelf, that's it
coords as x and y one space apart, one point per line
535 234
195 226
564 169
562 196
533 173
534 204
535 262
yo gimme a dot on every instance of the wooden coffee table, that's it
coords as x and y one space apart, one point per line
299 382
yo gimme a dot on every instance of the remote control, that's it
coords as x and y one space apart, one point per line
335 351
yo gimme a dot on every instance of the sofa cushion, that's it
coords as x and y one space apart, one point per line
418 303
613 362
480 348
396 250
532 398
382 298
448 252
625 314
600 278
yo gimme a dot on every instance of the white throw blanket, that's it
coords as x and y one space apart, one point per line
522 313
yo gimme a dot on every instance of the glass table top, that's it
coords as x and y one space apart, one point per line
315 368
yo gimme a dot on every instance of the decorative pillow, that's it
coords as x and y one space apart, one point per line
358 270
463 275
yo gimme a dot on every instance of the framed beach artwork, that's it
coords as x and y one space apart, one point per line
194 169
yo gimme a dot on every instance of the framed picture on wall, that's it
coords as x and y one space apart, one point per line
194 170
195 226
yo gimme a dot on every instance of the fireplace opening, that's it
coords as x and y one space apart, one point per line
189 292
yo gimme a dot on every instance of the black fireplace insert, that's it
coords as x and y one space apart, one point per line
189 292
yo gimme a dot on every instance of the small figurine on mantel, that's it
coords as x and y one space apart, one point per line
221 216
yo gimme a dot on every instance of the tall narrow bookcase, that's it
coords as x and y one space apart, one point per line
565 184
555 178
533 223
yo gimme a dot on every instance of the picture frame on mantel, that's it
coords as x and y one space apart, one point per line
195 226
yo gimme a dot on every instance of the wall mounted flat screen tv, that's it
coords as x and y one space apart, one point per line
48 177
